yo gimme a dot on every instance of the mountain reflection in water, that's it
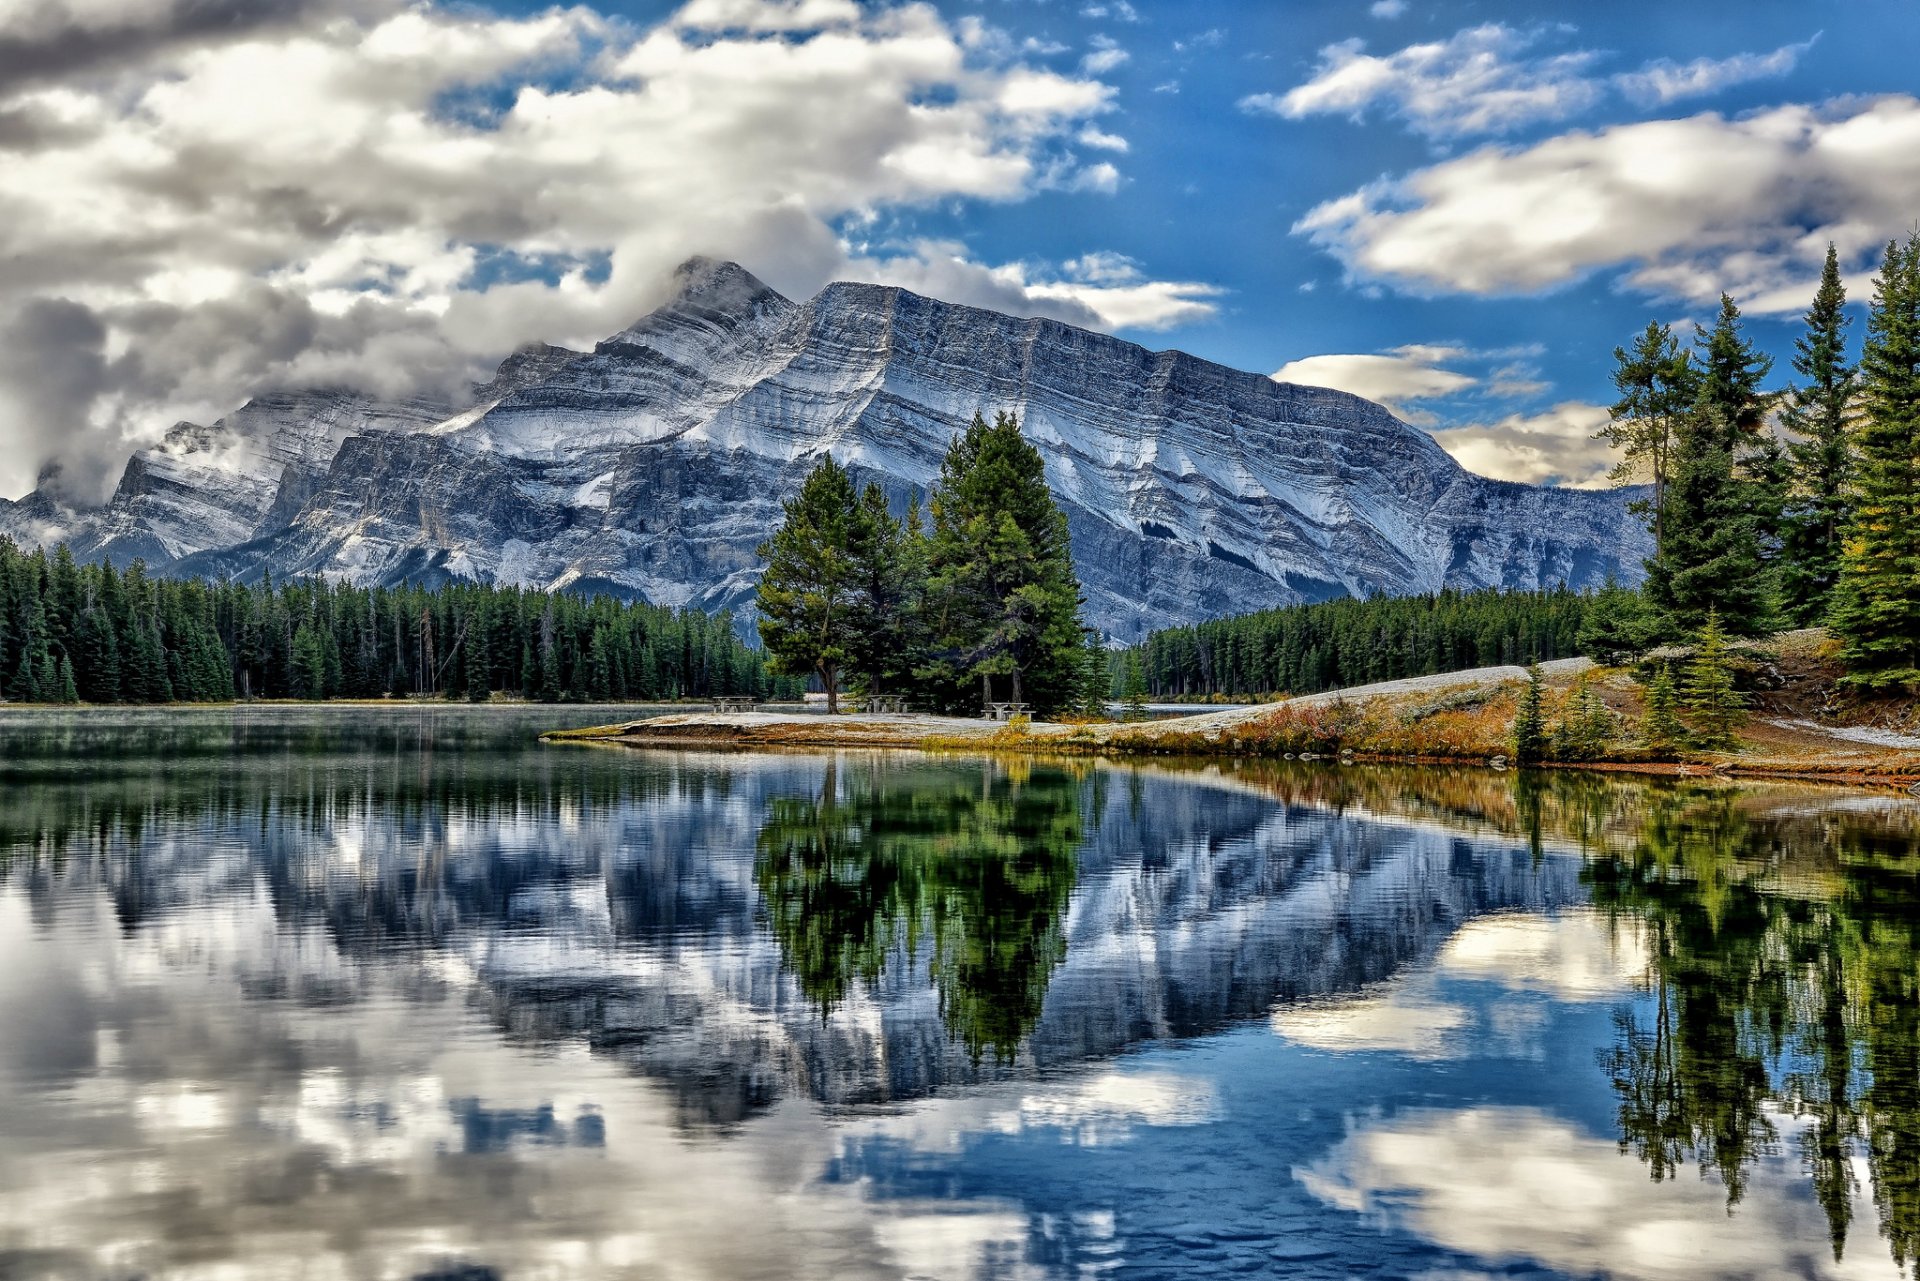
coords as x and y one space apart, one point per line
403 993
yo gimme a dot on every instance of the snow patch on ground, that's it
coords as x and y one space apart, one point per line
1854 733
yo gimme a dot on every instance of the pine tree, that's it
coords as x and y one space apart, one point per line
1530 721
1003 599
1708 692
1615 625
1133 688
1656 384
1877 610
808 605
1586 729
884 559
1818 412
1710 556
1662 728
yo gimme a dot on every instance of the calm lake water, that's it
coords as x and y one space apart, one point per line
405 994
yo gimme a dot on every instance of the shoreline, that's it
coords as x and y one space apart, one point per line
1454 719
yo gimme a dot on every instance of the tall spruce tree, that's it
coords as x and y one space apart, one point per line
885 562
809 607
1711 557
1004 599
1817 412
1877 610
1655 379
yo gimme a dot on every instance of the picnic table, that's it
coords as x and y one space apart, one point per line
729 704
1007 711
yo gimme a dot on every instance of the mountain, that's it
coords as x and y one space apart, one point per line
655 464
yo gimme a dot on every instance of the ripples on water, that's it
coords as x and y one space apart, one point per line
404 994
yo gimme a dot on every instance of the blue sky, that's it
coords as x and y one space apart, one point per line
1457 208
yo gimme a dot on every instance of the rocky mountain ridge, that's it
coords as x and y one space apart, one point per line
655 464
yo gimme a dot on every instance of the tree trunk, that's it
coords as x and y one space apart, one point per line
829 677
1016 682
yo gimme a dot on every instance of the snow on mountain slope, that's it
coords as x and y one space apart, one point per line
655 465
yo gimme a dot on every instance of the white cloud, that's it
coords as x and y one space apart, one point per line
1396 379
1118 10
1689 207
1472 82
1101 290
1509 1184
1387 10
1107 55
391 197
1663 81
1484 80
1555 447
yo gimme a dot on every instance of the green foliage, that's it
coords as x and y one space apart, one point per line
1304 649
809 615
1133 689
1818 411
1530 721
984 606
1723 499
95 633
971 875
1877 606
1616 624
1708 691
1587 728
1661 728
1003 605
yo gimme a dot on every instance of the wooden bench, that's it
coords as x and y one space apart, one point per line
730 704
1007 711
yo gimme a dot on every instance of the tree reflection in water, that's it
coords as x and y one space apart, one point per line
1784 952
971 869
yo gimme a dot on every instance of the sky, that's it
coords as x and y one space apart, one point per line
1457 208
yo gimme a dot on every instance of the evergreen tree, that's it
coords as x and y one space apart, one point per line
1708 692
1662 728
884 561
1587 728
1655 380
1877 611
1133 688
1711 558
1818 412
1615 625
1003 599
1530 721
809 610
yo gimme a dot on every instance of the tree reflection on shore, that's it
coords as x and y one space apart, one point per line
1786 984
971 870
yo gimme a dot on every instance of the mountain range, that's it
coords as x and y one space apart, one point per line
655 464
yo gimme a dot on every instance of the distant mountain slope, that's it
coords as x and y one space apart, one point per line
655 464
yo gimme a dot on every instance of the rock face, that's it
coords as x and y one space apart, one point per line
654 465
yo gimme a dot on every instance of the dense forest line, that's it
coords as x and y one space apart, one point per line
90 633
1304 649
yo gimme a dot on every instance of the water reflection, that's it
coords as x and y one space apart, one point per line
972 868
408 995
1786 970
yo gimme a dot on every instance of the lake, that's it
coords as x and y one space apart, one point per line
405 994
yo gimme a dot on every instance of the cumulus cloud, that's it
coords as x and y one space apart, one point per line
1555 447
1687 207
392 197
1448 390
1487 80
1398 379
1387 10
1097 290
1106 55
